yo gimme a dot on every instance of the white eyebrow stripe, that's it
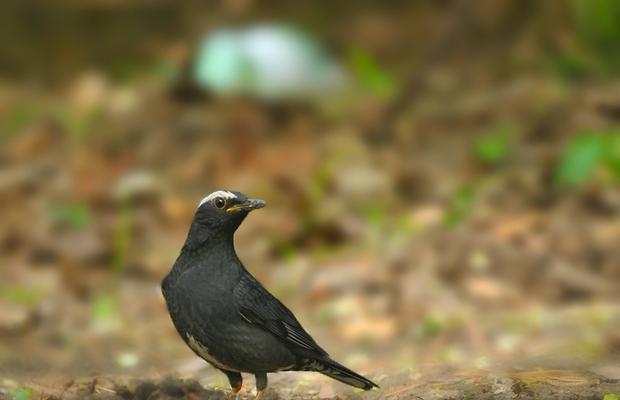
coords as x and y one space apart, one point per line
220 193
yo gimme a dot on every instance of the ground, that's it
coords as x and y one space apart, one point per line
456 242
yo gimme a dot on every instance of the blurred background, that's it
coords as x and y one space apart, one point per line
442 179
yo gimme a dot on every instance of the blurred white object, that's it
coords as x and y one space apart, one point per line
268 61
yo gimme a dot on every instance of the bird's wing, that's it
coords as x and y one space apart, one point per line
259 307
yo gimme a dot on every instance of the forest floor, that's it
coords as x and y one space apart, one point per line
436 264
432 384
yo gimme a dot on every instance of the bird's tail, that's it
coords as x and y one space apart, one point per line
331 368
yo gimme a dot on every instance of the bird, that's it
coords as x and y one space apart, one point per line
226 316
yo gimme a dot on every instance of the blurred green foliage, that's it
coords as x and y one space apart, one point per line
429 327
20 295
17 119
325 314
23 394
611 396
105 311
286 251
375 214
122 235
77 216
495 147
460 206
104 307
586 153
571 65
79 124
320 182
598 26
370 74
612 154
595 47
579 160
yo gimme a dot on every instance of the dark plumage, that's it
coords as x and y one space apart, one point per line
226 316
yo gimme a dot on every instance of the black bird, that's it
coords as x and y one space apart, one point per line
226 316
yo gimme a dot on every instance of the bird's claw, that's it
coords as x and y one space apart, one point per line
234 392
233 396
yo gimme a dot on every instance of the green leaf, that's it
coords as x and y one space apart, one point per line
79 124
430 327
579 160
571 65
597 24
17 119
375 214
461 205
611 396
20 295
75 215
287 251
370 74
23 394
106 313
122 236
493 149
612 154
104 307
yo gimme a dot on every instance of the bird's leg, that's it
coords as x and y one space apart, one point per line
261 383
236 381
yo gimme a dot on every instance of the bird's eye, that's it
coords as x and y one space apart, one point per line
219 202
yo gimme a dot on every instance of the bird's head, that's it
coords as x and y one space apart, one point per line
220 214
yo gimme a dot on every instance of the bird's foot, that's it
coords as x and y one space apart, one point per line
233 396
234 393
259 394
